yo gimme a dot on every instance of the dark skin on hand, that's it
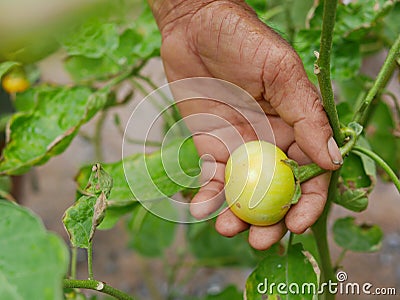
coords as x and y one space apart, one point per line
226 40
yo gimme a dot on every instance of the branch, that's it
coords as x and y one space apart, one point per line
323 68
381 163
380 82
96 286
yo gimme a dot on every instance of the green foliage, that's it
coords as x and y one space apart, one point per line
82 219
358 177
33 262
379 133
216 250
91 40
99 50
7 66
5 184
358 238
229 293
358 30
294 270
47 130
147 176
150 235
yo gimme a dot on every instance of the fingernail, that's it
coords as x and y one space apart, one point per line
334 152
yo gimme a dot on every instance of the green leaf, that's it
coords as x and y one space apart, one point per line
368 163
379 133
211 248
231 292
347 59
114 214
147 174
78 221
353 174
353 192
47 129
7 66
82 219
92 39
353 199
100 182
33 262
151 234
346 66
358 238
145 25
345 112
293 272
309 244
87 68
26 101
5 188
355 19
354 22
260 6
5 184
357 128
391 23
352 91
277 13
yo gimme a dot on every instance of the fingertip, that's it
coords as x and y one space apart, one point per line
208 199
317 143
334 153
263 237
229 225
306 212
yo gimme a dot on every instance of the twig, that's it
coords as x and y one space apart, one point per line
96 286
381 163
74 259
97 138
90 260
380 82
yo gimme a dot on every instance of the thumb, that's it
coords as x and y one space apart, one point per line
296 100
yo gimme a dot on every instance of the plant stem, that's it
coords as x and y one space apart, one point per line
7 196
169 119
74 260
125 75
97 138
96 286
90 260
380 82
324 68
306 172
340 259
381 163
321 237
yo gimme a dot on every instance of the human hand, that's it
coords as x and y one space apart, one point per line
226 40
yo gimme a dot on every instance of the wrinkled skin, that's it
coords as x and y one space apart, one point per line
226 40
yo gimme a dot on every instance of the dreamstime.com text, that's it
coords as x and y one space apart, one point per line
341 287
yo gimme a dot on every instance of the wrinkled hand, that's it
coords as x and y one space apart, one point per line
226 40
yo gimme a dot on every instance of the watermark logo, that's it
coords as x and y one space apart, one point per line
341 287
